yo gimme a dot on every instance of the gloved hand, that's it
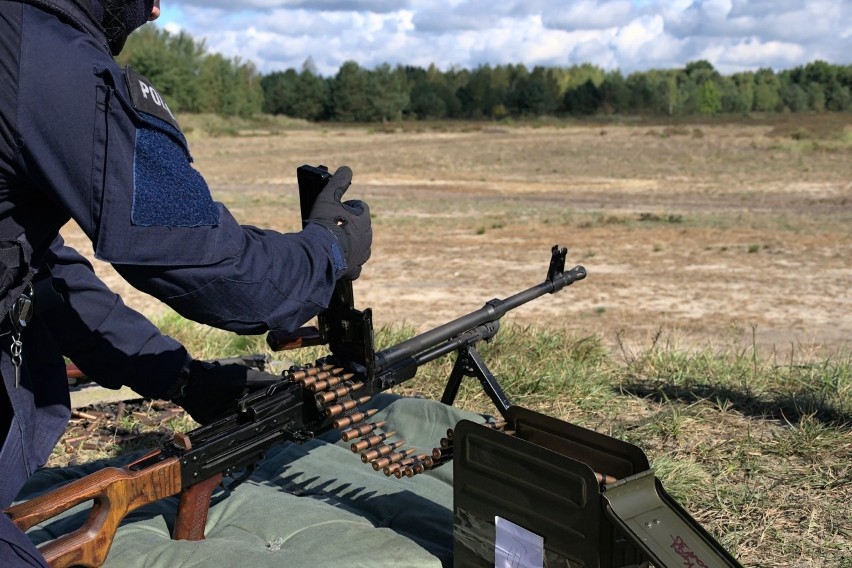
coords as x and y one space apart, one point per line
348 221
208 390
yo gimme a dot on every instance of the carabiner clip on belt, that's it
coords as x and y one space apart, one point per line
19 316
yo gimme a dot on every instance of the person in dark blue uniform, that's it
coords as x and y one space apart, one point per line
83 139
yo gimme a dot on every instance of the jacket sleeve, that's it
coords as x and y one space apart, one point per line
113 344
106 150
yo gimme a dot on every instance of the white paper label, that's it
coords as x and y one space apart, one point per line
516 547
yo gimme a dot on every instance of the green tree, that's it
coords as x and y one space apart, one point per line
300 95
311 94
793 96
767 91
700 69
170 61
433 93
535 94
837 96
580 74
615 94
655 92
426 101
642 95
816 97
249 91
709 98
584 99
481 94
230 87
817 72
448 85
350 94
388 93
699 88
508 81
279 90
190 79
738 93
668 100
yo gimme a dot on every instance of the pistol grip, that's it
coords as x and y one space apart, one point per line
193 509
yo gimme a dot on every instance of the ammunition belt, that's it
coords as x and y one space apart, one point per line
335 390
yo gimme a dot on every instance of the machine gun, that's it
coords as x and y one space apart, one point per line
307 401
626 517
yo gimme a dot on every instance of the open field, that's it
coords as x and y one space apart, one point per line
710 233
714 328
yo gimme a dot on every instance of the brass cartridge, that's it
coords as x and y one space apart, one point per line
416 468
392 458
604 479
310 372
329 396
308 382
381 451
354 418
442 453
344 406
360 431
446 443
432 463
331 381
368 443
391 468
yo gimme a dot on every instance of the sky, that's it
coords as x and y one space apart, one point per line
629 35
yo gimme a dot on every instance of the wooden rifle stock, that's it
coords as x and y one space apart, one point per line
115 492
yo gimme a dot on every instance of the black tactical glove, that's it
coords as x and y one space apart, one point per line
348 221
207 390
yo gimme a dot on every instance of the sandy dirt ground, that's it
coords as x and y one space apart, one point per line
713 235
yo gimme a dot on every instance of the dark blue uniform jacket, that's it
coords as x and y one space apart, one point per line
83 139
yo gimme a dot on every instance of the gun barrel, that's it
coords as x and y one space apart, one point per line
491 312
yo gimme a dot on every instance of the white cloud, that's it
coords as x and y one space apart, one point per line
752 53
625 34
633 37
590 15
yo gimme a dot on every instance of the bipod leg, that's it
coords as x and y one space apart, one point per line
470 364
460 368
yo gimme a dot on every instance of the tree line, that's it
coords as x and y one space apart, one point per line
200 82
191 79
